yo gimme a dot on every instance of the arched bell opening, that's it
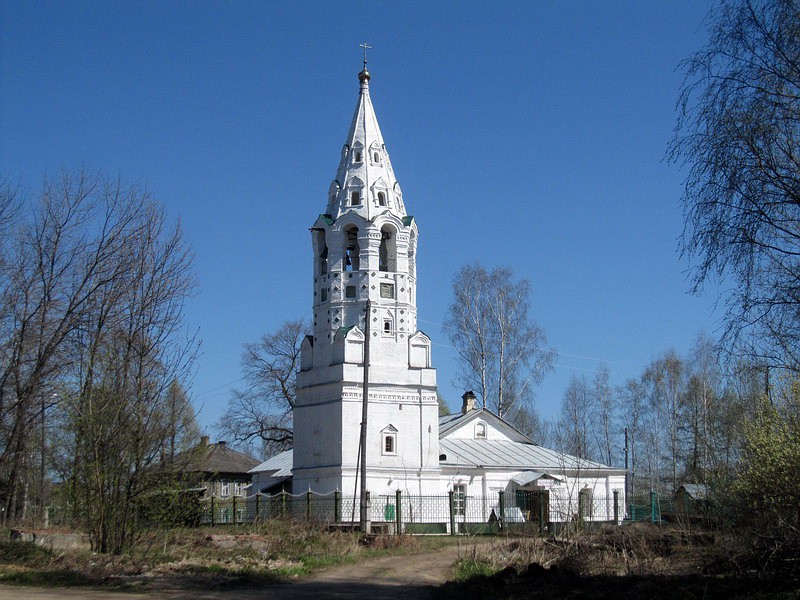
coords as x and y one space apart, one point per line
352 250
321 251
412 252
387 255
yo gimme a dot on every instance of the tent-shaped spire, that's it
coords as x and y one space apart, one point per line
365 181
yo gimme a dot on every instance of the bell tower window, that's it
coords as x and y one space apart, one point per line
381 199
355 199
321 248
387 253
351 250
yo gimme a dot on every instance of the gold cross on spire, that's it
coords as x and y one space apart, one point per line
365 46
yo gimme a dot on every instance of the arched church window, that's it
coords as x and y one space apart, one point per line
323 261
376 158
321 248
389 441
351 250
387 253
355 198
412 250
358 156
381 199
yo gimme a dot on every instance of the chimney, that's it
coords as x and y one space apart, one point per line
469 402
203 441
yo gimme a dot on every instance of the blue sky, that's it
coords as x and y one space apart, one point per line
524 134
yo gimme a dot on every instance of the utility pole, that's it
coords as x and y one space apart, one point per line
626 464
365 521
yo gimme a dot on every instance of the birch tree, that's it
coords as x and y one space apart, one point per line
738 135
502 352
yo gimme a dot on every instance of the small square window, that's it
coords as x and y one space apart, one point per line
350 291
387 290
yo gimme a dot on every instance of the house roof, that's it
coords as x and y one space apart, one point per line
279 465
512 456
216 458
696 491
449 423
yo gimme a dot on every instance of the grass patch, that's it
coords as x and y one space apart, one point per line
47 578
468 568
24 553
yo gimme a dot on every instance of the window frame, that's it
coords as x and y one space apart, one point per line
459 499
389 435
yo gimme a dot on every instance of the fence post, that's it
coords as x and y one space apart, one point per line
212 511
257 516
234 509
337 506
542 524
616 507
308 505
653 506
283 504
368 509
502 505
398 509
451 502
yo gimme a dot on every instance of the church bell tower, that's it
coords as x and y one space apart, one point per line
364 283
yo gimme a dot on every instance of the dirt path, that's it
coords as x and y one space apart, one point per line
409 577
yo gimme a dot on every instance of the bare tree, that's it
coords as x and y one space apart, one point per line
502 351
603 416
701 402
739 134
127 406
665 380
92 296
263 411
575 420
631 399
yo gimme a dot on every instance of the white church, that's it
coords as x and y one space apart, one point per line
364 294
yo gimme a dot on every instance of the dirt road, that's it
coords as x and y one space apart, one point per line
410 577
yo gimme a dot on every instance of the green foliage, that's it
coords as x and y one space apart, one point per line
766 484
467 568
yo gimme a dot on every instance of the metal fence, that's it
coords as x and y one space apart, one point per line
450 513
